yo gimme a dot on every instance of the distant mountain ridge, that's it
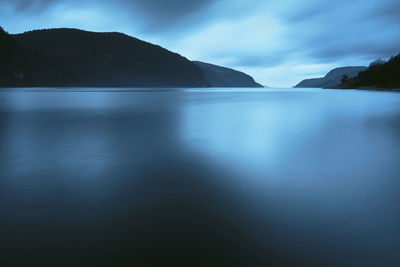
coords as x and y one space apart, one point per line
379 75
224 77
74 58
332 79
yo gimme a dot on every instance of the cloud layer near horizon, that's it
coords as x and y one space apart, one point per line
278 42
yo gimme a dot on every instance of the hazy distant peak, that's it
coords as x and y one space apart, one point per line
332 79
219 76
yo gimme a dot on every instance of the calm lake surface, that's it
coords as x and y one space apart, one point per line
199 177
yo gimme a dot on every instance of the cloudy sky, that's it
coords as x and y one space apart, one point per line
278 42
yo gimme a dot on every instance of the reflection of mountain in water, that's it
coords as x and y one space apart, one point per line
187 177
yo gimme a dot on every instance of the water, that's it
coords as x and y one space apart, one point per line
199 177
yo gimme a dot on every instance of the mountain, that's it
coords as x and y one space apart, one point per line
224 77
70 57
384 75
75 58
13 60
332 79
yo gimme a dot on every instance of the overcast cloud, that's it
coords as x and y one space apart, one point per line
278 42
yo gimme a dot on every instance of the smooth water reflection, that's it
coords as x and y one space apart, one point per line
193 177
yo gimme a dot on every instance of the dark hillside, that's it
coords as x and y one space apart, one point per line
224 77
13 60
69 57
385 76
76 58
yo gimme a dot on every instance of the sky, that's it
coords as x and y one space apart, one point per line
278 42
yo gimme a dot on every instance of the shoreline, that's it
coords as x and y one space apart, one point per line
367 88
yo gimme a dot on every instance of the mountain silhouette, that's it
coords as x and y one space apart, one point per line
384 75
13 59
224 77
332 79
76 58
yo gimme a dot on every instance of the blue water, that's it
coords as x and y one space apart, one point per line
199 177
